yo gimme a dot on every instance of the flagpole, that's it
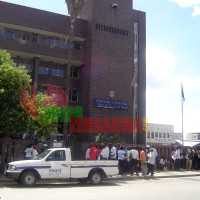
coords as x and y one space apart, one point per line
182 100
182 125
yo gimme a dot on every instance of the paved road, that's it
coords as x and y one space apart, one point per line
182 188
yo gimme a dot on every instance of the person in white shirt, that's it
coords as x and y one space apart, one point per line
134 159
34 152
105 153
113 152
151 161
28 152
177 156
87 154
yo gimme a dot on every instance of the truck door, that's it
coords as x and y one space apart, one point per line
60 165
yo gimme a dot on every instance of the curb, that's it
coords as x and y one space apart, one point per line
149 177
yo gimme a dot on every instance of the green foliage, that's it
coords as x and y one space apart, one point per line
13 118
108 139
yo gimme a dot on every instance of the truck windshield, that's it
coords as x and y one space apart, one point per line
42 155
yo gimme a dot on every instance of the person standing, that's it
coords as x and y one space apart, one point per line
28 152
134 158
143 161
34 152
151 160
177 156
105 152
93 152
121 160
189 158
113 152
87 153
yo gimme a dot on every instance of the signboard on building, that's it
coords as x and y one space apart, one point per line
111 104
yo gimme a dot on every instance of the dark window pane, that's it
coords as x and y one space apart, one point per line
43 40
17 36
43 70
50 41
59 43
1 33
9 34
26 37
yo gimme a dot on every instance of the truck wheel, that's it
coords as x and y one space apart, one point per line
95 177
28 178
82 180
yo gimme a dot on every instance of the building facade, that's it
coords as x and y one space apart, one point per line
109 44
162 134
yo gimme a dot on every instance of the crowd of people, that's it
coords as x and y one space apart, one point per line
130 159
188 159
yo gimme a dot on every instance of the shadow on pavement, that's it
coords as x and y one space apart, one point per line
57 185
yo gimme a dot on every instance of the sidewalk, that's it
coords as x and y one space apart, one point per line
159 174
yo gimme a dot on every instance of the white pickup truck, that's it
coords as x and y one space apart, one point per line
56 163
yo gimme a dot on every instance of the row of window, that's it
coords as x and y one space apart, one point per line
112 29
38 38
57 69
153 135
73 93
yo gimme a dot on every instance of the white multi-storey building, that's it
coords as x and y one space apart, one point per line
162 134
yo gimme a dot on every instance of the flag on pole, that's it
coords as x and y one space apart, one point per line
182 93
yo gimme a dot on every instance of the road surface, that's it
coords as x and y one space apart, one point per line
182 188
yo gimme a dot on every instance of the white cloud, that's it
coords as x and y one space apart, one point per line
164 91
196 11
189 3
186 3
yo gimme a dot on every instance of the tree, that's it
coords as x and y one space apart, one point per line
13 118
108 139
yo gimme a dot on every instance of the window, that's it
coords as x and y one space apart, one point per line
57 72
26 36
57 156
8 33
73 95
78 46
17 36
59 42
74 73
26 63
43 70
41 89
167 135
43 40
14 62
156 134
34 37
160 135
152 135
164 135
148 134
50 41
1 32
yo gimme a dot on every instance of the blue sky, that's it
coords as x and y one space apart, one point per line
173 46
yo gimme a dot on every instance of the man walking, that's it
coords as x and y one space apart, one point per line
121 160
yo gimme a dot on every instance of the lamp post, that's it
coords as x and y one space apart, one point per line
74 8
